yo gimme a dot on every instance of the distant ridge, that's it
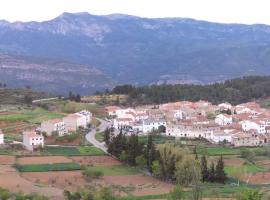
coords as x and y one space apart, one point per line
130 49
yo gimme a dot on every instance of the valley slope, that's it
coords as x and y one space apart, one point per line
138 50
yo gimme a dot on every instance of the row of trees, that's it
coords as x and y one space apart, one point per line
234 91
130 150
74 97
214 173
166 161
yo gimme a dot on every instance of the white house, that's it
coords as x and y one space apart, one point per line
124 113
244 139
32 141
111 110
119 123
178 114
220 137
152 124
1 137
223 119
190 130
225 106
74 121
87 116
54 125
260 127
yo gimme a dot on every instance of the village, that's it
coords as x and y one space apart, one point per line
245 124
33 139
241 125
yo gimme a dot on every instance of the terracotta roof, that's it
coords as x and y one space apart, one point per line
124 119
31 134
55 121
73 116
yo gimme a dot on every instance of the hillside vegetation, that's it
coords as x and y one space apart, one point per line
234 91
13 96
129 49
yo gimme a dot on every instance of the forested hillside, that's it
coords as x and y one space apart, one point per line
234 91
132 50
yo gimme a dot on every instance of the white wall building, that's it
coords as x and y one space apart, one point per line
74 121
119 123
225 106
122 113
190 130
178 114
260 127
220 137
32 141
152 124
87 116
54 125
223 119
1 137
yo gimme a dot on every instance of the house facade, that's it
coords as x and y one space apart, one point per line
32 141
223 119
152 125
1 137
54 125
74 121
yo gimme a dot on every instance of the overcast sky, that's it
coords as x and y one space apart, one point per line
228 11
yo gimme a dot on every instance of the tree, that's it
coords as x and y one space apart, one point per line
4 194
27 99
105 194
78 98
169 155
249 194
220 173
107 136
196 192
123 156
133 149
140 161
156 170
176 193
212 173
161 129
204 169
151 152
187 171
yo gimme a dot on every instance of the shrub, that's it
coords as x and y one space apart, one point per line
91 173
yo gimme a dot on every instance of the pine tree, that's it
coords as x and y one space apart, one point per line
151 152
212 173
195 152
204 169
133 149
107 136
220 173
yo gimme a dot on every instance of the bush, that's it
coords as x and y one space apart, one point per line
91 173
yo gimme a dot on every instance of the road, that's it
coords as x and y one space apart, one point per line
90 137
47 99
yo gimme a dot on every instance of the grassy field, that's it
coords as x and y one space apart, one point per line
118 170
48 167
74 151
158 139
36 115
99 136
208 191
243 169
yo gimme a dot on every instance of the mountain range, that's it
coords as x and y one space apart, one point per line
83 52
